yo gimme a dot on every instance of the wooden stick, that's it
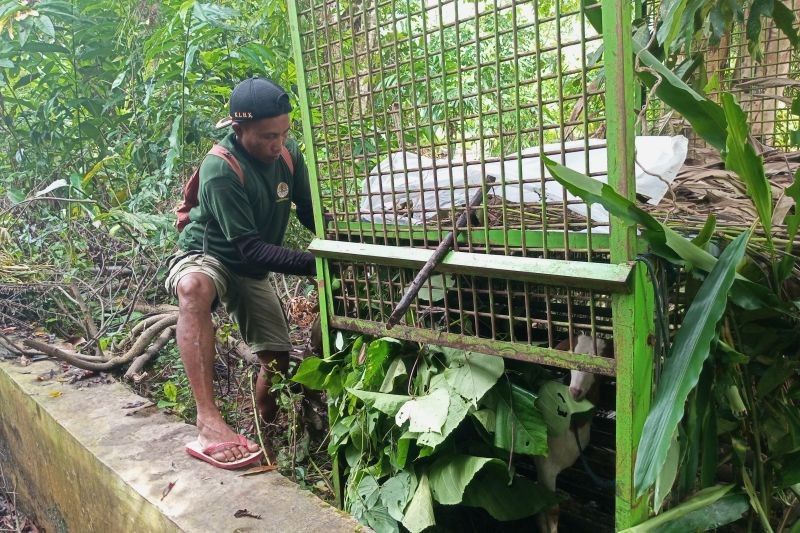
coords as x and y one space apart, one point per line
438 256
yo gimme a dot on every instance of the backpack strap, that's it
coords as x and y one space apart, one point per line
287 158
228 157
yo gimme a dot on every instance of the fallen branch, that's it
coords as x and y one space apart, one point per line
92 363
139 363
148 309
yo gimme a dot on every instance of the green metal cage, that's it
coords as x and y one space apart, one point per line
412 108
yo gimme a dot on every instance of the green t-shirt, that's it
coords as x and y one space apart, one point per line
228 210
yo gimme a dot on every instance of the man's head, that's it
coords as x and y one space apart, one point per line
259 114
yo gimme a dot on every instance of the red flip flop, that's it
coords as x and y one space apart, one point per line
195 449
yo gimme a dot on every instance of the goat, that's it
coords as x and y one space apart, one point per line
563 449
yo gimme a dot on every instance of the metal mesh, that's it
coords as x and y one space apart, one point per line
418 106
764 89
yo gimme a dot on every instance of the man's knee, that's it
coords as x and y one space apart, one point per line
196 292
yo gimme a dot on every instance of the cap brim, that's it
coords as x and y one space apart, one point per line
227 121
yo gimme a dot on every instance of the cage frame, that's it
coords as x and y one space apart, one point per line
632 301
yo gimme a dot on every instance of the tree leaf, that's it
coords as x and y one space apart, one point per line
741 158
419 515
668 473
785 20
426 413
707 232
519 426
472 374
456 412
682 368
396 492
705 511
378 351
311 373
491 491
671 16
397 369
450 475
389 404
758 9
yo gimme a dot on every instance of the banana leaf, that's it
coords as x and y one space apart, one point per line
664 241
709 508
741 158
682 369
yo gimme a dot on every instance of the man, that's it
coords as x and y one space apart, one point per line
232 242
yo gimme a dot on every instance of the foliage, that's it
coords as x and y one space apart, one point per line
410 425
741 403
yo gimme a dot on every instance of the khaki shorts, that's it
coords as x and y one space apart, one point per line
252 303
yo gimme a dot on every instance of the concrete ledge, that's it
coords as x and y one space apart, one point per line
80 461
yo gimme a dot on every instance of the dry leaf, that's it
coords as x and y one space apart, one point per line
55 394
168 489
241 513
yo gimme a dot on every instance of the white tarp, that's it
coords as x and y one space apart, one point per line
406 184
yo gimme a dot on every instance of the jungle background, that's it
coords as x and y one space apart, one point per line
107 106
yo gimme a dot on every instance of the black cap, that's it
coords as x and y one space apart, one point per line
256 98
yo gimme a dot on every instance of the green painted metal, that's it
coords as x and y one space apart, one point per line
599 276
323 282
632 312
509 350
531 239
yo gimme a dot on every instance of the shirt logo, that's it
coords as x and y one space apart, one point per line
283 189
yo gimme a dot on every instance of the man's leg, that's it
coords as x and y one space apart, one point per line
271 363
195 336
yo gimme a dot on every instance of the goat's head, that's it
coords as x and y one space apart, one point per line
580 382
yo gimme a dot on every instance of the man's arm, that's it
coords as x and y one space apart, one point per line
302 192
276 258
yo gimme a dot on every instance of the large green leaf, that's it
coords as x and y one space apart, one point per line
396 492
471 374
519 426
396 370
669 471
784 20
419 514
490 490
665 241
312 372
456 412
741 158
792 222
682 369
385 403
451 474
427 413
708 509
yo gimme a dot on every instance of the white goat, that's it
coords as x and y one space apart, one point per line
563 449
